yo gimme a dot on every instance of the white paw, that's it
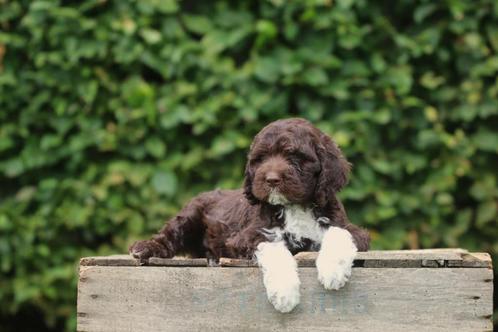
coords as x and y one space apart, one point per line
333 275
335 259
279 275
284 297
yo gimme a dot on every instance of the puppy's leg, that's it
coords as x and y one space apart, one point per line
335 258
360 236
182 233
279 275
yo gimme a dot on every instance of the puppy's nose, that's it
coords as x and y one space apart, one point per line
273 179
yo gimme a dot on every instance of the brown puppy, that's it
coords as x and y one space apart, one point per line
288 204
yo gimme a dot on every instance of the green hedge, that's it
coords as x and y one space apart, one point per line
114 113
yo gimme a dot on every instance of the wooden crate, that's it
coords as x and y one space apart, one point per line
417 290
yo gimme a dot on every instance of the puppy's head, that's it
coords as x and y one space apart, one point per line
292 162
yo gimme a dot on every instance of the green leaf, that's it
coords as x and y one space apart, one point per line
266 31
164 183
196 23
423 11
155 147
267 69
315 76
487 212
486 140
151 36
13 167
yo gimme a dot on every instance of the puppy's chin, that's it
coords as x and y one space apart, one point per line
277 198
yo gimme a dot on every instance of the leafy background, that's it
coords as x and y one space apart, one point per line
114 113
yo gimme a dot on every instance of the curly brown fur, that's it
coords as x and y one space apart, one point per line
288 158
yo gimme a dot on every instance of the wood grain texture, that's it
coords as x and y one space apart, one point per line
158 298
431 258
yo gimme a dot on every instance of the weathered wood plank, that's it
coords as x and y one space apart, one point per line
475 259
114 260
155 261
134 298
432 258
126 260
393 258
233 262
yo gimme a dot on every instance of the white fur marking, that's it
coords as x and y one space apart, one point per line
301 223
335 259
276 198
273 234
279 275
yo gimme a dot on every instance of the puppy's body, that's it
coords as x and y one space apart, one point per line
288 204
223 223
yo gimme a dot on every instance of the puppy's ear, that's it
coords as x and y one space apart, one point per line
334 170
248 179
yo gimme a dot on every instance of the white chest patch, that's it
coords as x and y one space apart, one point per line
301 223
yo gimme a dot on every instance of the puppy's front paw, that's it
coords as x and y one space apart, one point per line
335 259
279 275
147 248
284 296
333 274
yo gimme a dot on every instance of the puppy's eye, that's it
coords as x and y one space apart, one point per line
295 159
296 163
300 157
256 160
